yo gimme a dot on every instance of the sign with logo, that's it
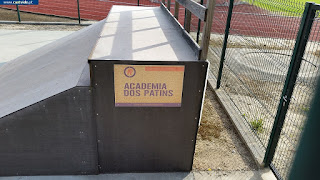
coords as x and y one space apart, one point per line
21 2
148 85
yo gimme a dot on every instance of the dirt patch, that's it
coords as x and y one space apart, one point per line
11 15
41 27
218 145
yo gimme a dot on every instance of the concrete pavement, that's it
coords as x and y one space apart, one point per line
14 43
265 174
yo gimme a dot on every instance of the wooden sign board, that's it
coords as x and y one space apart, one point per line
148 85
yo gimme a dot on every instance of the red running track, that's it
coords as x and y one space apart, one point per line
247 20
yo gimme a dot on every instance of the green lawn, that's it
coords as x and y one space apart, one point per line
285 7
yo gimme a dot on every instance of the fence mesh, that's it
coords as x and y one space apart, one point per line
258 54
300 103
260 46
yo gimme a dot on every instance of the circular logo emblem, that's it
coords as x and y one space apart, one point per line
129 71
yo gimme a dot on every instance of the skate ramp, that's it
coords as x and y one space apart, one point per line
47 71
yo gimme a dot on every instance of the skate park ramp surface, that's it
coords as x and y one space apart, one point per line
141 33
63 64
47 71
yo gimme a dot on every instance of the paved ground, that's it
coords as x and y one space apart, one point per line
14 43
204 175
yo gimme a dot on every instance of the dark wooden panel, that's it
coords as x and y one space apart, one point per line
53 137
207 31
169 5
195 8
187 21
147 139
176 10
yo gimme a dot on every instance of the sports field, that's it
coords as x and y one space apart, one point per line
248 19
290 8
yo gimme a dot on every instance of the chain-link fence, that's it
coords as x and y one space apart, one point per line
257 59
302 95
259 51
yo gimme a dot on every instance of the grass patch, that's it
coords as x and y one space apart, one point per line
304 109
285 7
257 125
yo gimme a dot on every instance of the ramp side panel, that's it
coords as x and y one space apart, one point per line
147 139
55 136
47 71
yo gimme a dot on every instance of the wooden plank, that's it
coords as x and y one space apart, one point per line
197 9
207 29
176 10
169 4
187 21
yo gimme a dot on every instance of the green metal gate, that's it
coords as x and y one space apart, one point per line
271 78
296 95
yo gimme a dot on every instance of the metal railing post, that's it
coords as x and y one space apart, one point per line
199 25
225 41
298 52
18 13
79 18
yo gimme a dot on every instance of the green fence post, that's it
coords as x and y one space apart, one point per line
299 49
199 25
18 12
79 18
138 2
225 41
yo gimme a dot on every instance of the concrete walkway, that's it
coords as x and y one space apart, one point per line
203 175
14 43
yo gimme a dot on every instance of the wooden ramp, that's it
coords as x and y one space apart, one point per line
59 113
